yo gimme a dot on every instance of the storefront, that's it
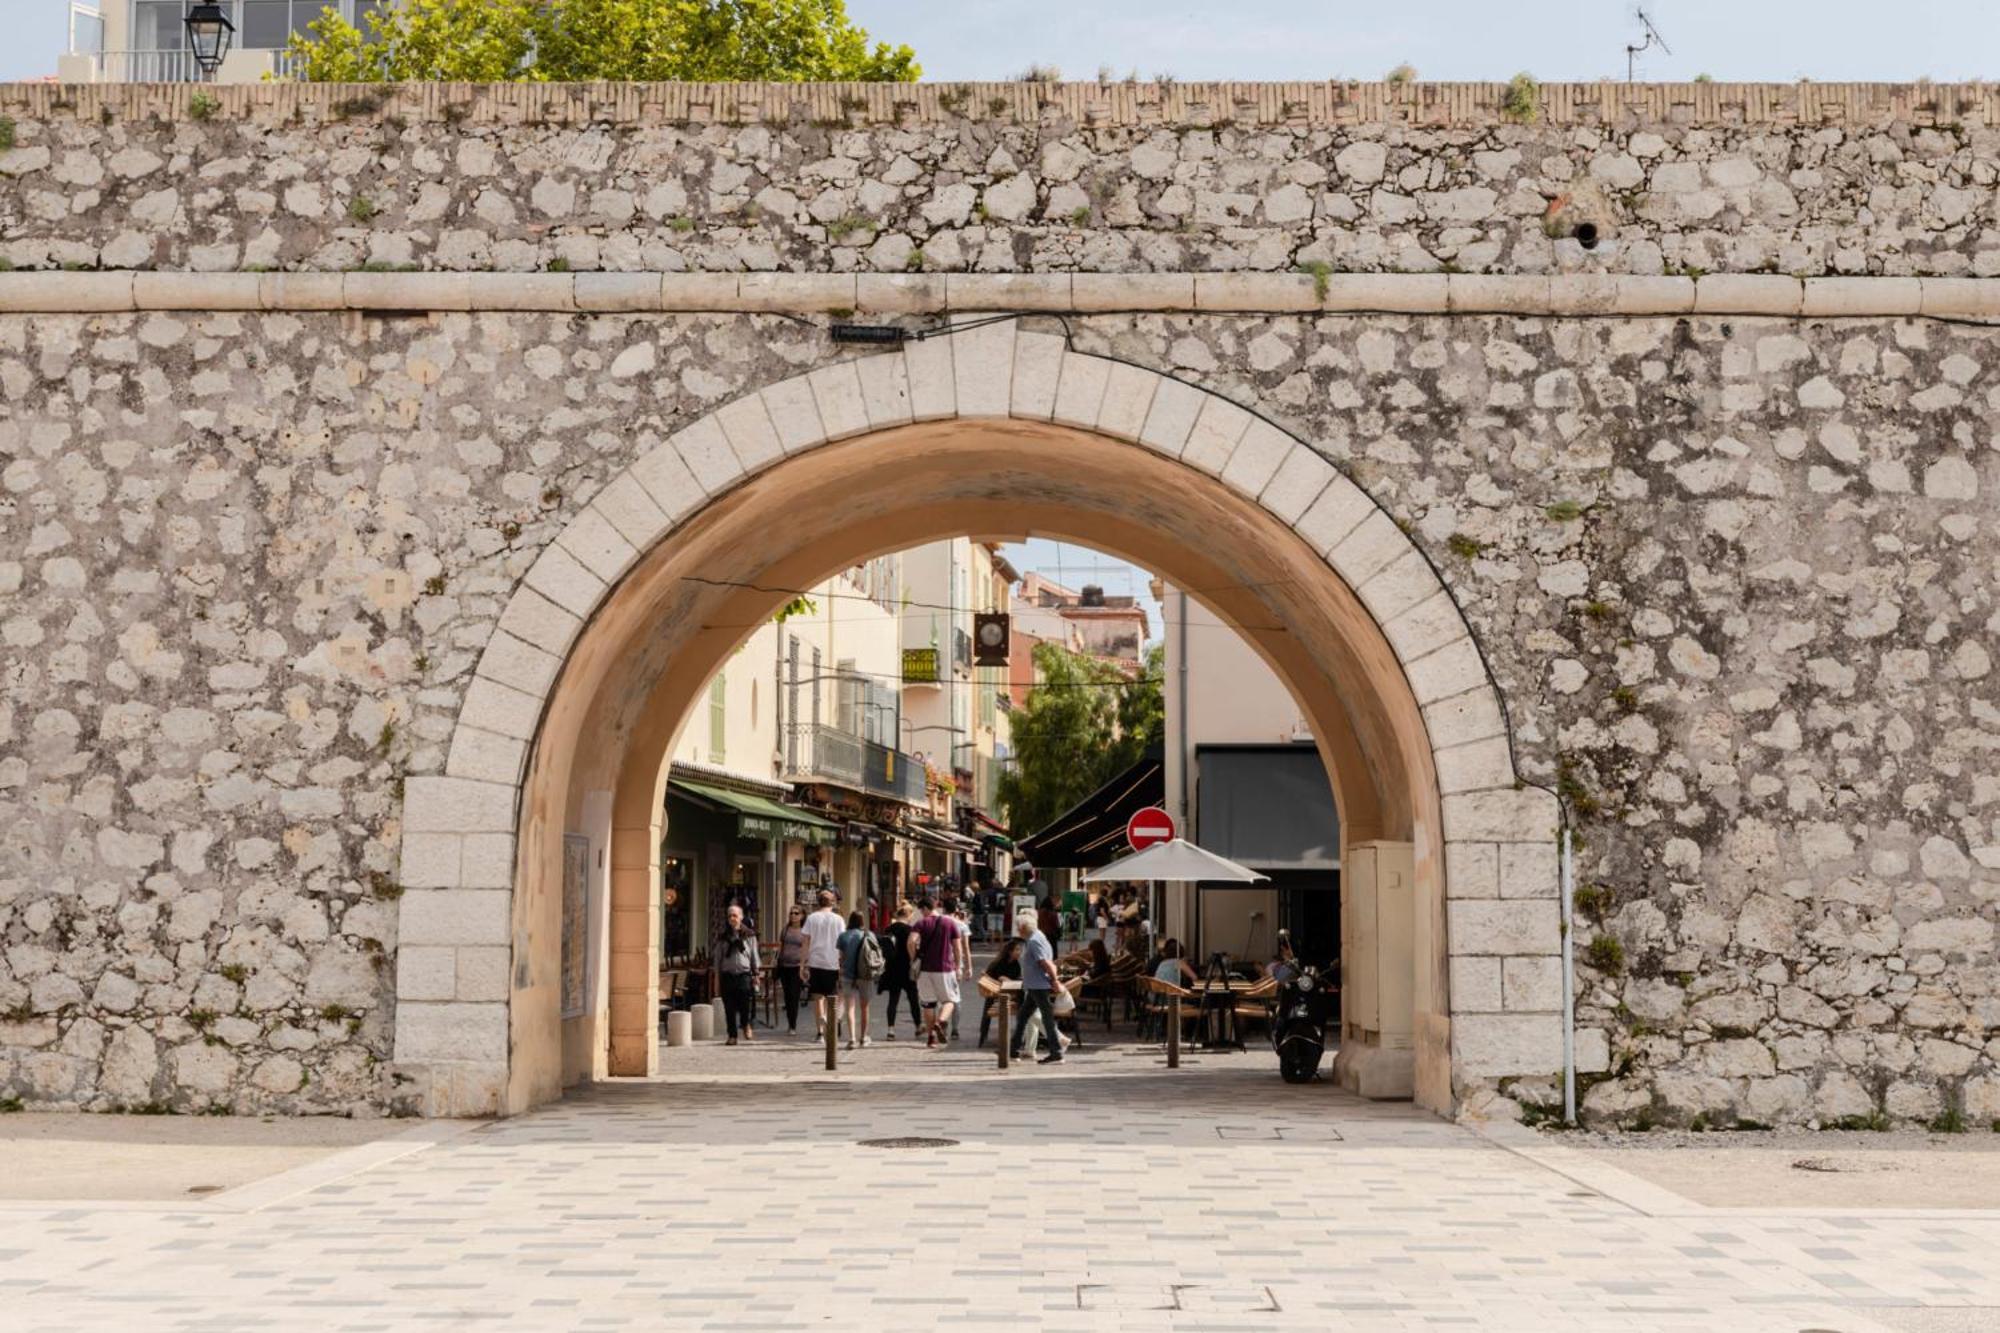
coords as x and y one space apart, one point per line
725 845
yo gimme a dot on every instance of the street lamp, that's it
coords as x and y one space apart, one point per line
209 31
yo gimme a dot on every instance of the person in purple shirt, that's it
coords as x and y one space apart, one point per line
937 943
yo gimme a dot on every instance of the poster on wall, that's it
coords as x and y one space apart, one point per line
575 925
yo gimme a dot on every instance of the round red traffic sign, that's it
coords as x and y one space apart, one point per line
1149 828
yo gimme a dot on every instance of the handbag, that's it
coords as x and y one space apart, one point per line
1065 1003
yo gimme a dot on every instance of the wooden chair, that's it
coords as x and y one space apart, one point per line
1075 987
1255 1004
1124 980
1157 996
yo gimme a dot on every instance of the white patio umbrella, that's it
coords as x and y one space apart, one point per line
1177 859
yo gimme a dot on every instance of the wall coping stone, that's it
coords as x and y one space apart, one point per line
1297 105
843 294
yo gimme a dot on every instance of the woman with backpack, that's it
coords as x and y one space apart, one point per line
860 966
899 981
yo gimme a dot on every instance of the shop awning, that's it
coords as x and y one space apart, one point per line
758 816
1267 806
942 838
1092 831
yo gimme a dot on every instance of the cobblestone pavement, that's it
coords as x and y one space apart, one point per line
1213 1197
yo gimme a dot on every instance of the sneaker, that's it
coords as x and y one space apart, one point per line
865 1041
1055 1059
850 1044
930 1041
890 1035
730 1042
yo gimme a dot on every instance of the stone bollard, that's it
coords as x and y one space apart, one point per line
680 1027
718 1023
703 1018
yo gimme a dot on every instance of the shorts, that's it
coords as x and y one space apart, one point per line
823 981
857 985
936 988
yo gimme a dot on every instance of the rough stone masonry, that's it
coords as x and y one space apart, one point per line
1735 573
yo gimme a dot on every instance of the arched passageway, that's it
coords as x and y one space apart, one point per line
991 432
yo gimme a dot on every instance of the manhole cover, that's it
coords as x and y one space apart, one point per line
909 1143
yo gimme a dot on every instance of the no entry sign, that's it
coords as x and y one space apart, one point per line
1149 828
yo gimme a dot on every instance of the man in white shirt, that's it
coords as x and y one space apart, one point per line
821 968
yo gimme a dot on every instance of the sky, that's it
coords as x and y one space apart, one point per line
1073 566
1828 40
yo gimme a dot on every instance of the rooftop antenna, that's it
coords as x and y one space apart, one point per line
1653 39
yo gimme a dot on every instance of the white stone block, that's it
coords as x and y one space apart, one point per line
487 861
1006 291
454 916
1865 297
407 291
747 426
1499 1045
563 580
1128 399
1256 292
628 508
697 291
666 477
483 973
1213 438
1452 669
794 414
451 1031
522 291
1960 298
885 389
1748 294
617 291
519 665
196 291
899 293
1096 292
301 291
982 361
430 861
1464 717
1037 367
1526 815
797 293
1171 419
1652 294
1080 390
1256 458
425 972
837 391
1301 477
705 449
1400 585
933 391
491 706
1471 870
1475 986
1530 870
64 292
1497 294
597 545
1531 984
1375 543
1425 627
1401 293
704 1022
485 756
1340 509
1502 926
1478 766
680 1028
456 805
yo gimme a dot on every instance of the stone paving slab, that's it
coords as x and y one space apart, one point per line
1072 1201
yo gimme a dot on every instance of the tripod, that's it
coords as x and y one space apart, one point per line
1214 988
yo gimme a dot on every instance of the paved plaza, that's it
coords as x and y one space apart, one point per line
1108 1194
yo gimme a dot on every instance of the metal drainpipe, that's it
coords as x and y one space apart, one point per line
1181 755
1568 982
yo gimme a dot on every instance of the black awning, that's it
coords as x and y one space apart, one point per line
1092 832
1269 807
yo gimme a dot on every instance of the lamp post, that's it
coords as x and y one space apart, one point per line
209 32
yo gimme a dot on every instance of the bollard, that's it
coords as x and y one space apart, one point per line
718 1021
1173 1032
832 1036
703 1019
1006 1032
680 1027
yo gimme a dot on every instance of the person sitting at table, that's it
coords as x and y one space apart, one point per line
1286 965
1005 967
1174 969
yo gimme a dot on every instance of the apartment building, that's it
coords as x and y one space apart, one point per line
146 41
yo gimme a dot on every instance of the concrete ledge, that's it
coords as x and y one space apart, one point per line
1575 295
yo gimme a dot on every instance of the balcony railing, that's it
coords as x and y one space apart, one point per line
178 66
819 753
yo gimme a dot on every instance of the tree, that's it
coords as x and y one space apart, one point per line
1082 724
578 40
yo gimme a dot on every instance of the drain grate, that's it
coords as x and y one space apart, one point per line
908 1142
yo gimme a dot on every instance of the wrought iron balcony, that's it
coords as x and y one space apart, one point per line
820 753
176 65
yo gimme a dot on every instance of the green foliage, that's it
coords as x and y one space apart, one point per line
1403 73
1875 1122
1591 900
1083 723
1564 511
201 1020
557 265
1951 1122
1606 954
801 605
235 972
1704 78
1463 546
1522 102
12 1106
1321 271
485 41
361 208
333 1013
204 104
6 133
1039 73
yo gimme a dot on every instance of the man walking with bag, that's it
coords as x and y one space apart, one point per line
1038 987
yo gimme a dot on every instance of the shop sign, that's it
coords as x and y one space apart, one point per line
920 666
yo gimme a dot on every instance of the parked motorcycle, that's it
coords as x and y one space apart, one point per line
1307 1006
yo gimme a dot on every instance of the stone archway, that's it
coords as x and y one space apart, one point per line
598 653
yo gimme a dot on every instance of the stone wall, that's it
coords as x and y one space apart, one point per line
1005 178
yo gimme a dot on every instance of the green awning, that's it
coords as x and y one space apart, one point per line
759 817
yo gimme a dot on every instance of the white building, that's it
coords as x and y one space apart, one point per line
146 41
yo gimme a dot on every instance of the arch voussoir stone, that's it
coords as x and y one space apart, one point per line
460 835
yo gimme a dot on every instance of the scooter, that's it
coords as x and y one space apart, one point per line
1306 1001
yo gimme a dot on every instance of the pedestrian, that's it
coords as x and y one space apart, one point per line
734 957
1038 987
1048 920
821 969
964 956
898 981
792 964
935 941
860 965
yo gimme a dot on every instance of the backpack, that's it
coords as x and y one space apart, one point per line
869 963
